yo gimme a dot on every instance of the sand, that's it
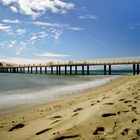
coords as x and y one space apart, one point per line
110 112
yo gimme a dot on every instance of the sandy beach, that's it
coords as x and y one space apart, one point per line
111 111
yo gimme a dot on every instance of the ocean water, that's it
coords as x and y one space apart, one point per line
28 89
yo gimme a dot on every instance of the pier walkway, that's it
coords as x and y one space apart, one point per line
70 67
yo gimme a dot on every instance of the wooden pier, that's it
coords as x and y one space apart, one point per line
70 67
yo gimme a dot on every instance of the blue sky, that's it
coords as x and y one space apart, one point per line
55 30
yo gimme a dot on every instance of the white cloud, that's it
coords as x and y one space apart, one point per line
75 28
10 21
6 2
20 31
4 27
40 23
35 8
51 55
56 25
33 39
20 47
55 34
93 17
8 44
14 9
43 34
20 60
11 43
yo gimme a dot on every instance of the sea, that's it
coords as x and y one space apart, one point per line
18 90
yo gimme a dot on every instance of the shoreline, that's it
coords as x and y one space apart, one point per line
81 116
53 95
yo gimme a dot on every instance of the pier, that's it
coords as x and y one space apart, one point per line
70 67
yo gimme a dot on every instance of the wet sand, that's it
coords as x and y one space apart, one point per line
111 111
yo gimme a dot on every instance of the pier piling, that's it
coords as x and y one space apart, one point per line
87 69
104 69
134 69
109 69
138 69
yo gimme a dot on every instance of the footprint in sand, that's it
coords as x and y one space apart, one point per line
78 109
99 130
127 101
124 111
42 131
135 102
56 117
126 131
129 105
134 108
20 125
67 137
108 103
55 122
1 126
109 114
92 103
138 132
74 114
134 120
121 99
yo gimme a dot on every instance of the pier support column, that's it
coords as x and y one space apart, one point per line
31 69
45 70
87 69
59 70
65 70
28 69
14 70
104 69
36 70
109 69
75 70
82 69
138 69
70 70
134 69
51 69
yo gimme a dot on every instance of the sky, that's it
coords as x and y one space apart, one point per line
60 30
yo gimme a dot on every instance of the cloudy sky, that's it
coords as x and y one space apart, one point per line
69 30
